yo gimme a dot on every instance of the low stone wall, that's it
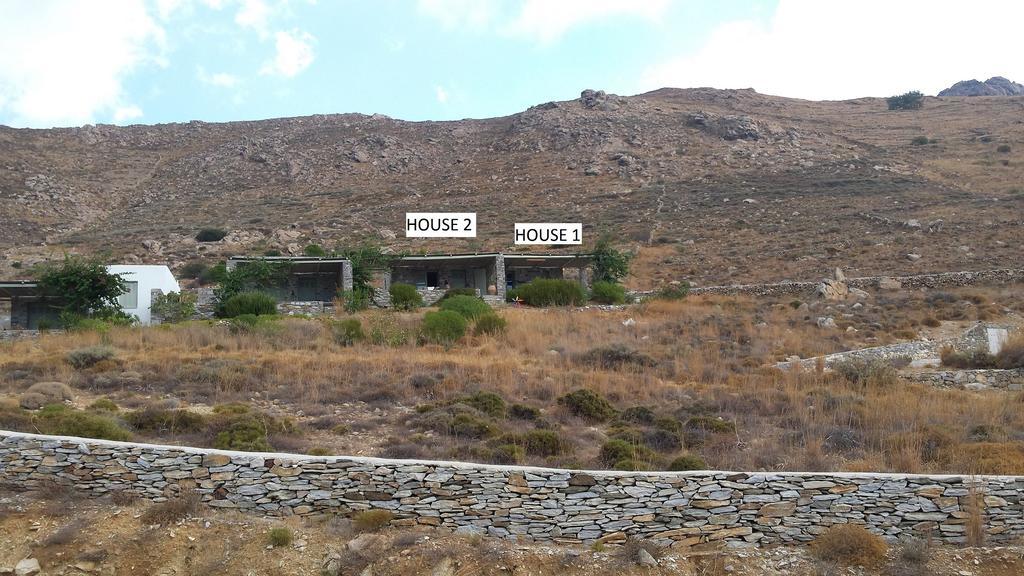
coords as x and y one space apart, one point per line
905 350
970 379
939 280
12 335
682 508
300 308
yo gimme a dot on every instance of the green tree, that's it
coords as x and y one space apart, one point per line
84 287
252 276
366 260
314 251
909 101
610 264
174 306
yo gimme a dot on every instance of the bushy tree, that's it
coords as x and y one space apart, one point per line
254 276
405 296
84 287
366 261
610 264
174 306
909 101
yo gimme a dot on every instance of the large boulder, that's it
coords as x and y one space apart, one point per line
42 393
995 86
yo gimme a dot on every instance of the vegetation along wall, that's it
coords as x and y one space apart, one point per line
686 507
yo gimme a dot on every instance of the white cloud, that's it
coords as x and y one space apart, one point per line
441 94
545 21
294 53
254 14
219 79
838 50
125 113
472 14
64 63
541 21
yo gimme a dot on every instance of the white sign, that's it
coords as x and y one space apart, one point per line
549 233
440 224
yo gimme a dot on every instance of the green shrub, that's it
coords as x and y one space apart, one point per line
213 275
470 307
920 141
371 520
614 356
487 402
490 324
507 454
280 536
673 291
174 307
193 269
458 292
588 405
247 431
876 371
405 297
348 331
162 421
210 235
62 421
614 451
908 101
314 251
608 293
638 415
687 462
354 300
89 356
103 405
444 327
551 292
465 425
543 443
1003 149
523 412
255 303
610 264
628 465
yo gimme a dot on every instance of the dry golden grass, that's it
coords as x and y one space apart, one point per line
710 358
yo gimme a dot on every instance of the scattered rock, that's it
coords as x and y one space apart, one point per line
363 542
644 558
913 257
826 322
27 567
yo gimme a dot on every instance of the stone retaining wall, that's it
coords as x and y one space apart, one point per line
682 508
970 379
939 280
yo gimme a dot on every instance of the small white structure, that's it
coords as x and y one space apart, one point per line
142 281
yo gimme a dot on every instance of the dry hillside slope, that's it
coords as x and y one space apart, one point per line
713 185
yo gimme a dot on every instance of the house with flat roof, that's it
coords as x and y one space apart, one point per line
25 306
301 283
491 274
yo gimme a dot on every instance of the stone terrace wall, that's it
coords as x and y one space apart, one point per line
671 507
939 280
970 379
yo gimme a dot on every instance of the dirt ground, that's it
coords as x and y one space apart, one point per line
75 536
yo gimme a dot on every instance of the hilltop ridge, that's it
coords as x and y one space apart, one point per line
715 185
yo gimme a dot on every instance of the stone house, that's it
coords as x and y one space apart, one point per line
492 274
306 284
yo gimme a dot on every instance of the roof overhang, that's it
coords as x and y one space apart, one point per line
547 260
19 288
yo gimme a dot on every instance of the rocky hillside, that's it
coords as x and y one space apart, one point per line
713 185
995 86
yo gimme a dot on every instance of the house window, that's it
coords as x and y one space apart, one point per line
130 299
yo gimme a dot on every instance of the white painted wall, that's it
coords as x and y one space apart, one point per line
148 278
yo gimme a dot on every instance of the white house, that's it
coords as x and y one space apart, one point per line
142 280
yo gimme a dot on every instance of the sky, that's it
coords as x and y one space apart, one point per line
76 62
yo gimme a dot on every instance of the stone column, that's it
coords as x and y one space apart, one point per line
346 276
499 275
585 278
